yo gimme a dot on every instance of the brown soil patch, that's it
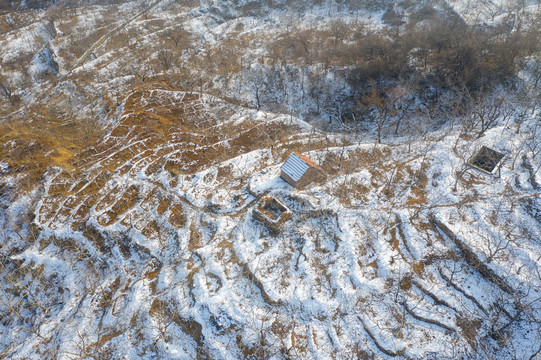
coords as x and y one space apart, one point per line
162 207
107 218
177 217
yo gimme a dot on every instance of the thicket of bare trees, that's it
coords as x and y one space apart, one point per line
351 74
4 88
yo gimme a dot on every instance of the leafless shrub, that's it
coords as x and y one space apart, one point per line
178 35
165 59
4 88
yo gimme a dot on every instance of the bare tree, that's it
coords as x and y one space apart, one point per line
141 68
487 112
339 31
165 58
141 7
460 169
494 245
49 28
163 318
533 145
536 71
382 105
4 89
258 85
178 35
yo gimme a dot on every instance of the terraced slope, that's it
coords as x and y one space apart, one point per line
145 246
126 227
133 170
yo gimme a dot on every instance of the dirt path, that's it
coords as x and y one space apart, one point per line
206 209
105 37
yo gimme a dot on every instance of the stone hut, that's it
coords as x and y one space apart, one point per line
299 171
271 212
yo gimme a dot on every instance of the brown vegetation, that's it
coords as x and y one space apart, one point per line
30 147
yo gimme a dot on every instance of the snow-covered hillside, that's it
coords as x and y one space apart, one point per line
129 178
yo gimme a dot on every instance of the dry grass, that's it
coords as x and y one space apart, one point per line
128 200
162 207
109 335
195 238
469 329
418 189
4 26
352 190
151 230
154 268
469 180
177 217
30 147
118 40
405 283
419 267
394 241
373 160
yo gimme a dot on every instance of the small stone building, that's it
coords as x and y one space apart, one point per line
299 171
486 160
271 212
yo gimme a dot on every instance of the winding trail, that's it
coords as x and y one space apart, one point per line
105 37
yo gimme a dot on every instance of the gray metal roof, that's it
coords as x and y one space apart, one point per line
295 167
